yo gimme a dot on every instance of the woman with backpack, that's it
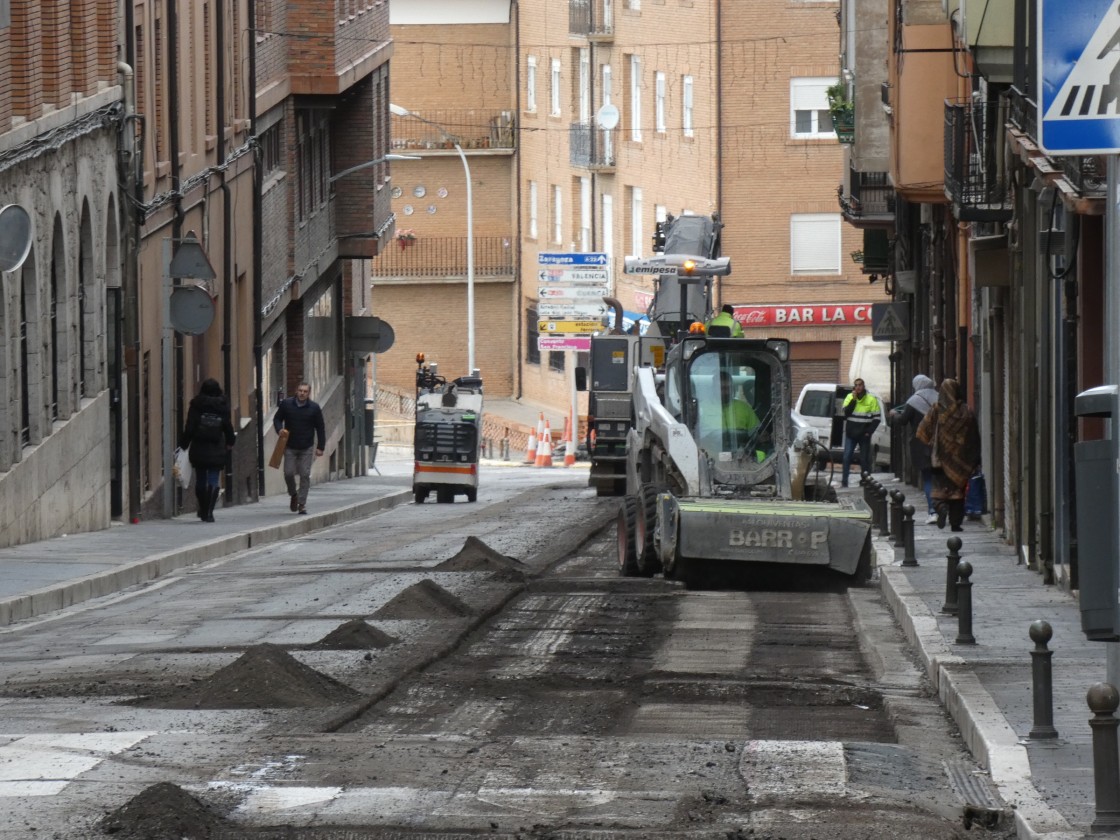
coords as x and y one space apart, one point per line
209 435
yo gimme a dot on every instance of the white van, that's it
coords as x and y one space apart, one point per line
871 362
817 406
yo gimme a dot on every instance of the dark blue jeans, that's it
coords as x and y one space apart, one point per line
850 444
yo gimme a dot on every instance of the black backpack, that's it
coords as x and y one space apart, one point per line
209 427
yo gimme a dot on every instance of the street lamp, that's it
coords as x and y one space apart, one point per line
370 163
404 112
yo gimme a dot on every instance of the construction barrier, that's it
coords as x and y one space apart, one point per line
544 447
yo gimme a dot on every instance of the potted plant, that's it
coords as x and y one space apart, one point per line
406 238
843 112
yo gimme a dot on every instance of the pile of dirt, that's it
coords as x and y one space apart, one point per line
264 677
355 634
424 600
167 812
477 556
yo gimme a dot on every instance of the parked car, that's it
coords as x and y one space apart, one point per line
820 405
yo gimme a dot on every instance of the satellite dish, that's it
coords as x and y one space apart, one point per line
607 116
15 236
192 309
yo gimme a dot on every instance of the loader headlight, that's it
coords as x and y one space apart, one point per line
780 348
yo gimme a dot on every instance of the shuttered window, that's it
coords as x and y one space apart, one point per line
814 243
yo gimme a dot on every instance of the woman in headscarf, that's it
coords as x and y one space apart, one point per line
953 435
911 413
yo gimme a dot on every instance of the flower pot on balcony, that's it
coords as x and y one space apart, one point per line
406 243
844 124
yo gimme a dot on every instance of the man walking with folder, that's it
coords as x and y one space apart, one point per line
307 437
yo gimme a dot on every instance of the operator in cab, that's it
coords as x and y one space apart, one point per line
741 426
726 318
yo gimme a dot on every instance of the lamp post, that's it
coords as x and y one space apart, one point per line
370 163
404 112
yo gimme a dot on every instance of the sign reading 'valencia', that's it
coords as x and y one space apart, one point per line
817 315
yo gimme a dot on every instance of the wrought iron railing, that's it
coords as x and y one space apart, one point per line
591 146
974 178
591 18
444 256
1022 112
1086 174
474 129
869 194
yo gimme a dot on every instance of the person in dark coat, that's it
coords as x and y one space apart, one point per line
911 413
951 430
307 438
208 436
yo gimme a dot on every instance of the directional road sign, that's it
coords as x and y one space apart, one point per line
573 259
889 321
575 276
571 310
1079 76
585 293
564 342
569 326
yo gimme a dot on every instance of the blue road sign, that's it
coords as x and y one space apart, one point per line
576 259
1079 76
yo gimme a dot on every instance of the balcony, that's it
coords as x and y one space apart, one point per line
445 256
975 181
867 200
591 19
473 128
592 147
1022 112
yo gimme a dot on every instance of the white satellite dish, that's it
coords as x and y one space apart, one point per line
607 116
15 236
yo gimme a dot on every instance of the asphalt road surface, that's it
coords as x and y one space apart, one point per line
474 670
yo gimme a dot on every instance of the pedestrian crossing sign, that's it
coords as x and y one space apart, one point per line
889 322
1079 77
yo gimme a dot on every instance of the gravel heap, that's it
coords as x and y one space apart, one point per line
355 634
424 600
167 812
477 556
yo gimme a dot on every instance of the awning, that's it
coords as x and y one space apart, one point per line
629 319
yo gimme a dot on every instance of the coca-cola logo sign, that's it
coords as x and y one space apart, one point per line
819 315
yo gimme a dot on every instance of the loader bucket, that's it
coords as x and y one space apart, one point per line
748 531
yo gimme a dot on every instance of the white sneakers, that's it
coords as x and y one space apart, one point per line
931 519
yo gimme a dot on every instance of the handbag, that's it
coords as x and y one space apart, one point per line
182 469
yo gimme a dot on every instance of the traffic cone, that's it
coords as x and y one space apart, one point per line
531 451
570 444
544 447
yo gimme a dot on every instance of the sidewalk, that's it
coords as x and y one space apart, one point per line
987 687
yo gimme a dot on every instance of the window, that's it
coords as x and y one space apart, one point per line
686 106
533 210
557 215
531 84
271 150
636 234
554 89
659 102
532 348
809 107
635 98
814 243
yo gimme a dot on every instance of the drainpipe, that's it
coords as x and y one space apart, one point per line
258 262
227 213
131 169
177 218
519 352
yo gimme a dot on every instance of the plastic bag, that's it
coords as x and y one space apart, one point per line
182 468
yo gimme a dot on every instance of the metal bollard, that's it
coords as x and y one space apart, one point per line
871 494
505 449
954 559
1103 700
897 500
964 604
909 558
884 518
1042 681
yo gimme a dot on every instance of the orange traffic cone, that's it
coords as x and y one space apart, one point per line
544 447
531 451
570 443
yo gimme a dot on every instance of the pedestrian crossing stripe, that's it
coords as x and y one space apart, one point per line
1092 89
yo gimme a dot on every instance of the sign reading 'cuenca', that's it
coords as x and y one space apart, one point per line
818 315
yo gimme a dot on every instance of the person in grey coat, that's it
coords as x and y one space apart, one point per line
911 413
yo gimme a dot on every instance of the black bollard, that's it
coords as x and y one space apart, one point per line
964 604
873 502
1042 680
954 559
910 558
897 500
884 519
1103 700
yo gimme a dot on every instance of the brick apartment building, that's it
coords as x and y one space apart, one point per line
62 453
723 109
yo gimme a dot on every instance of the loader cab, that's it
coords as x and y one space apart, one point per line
728 392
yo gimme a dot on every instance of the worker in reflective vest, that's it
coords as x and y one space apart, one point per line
726 318
863 416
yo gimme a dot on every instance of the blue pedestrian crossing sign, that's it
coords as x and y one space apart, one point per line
1079 76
